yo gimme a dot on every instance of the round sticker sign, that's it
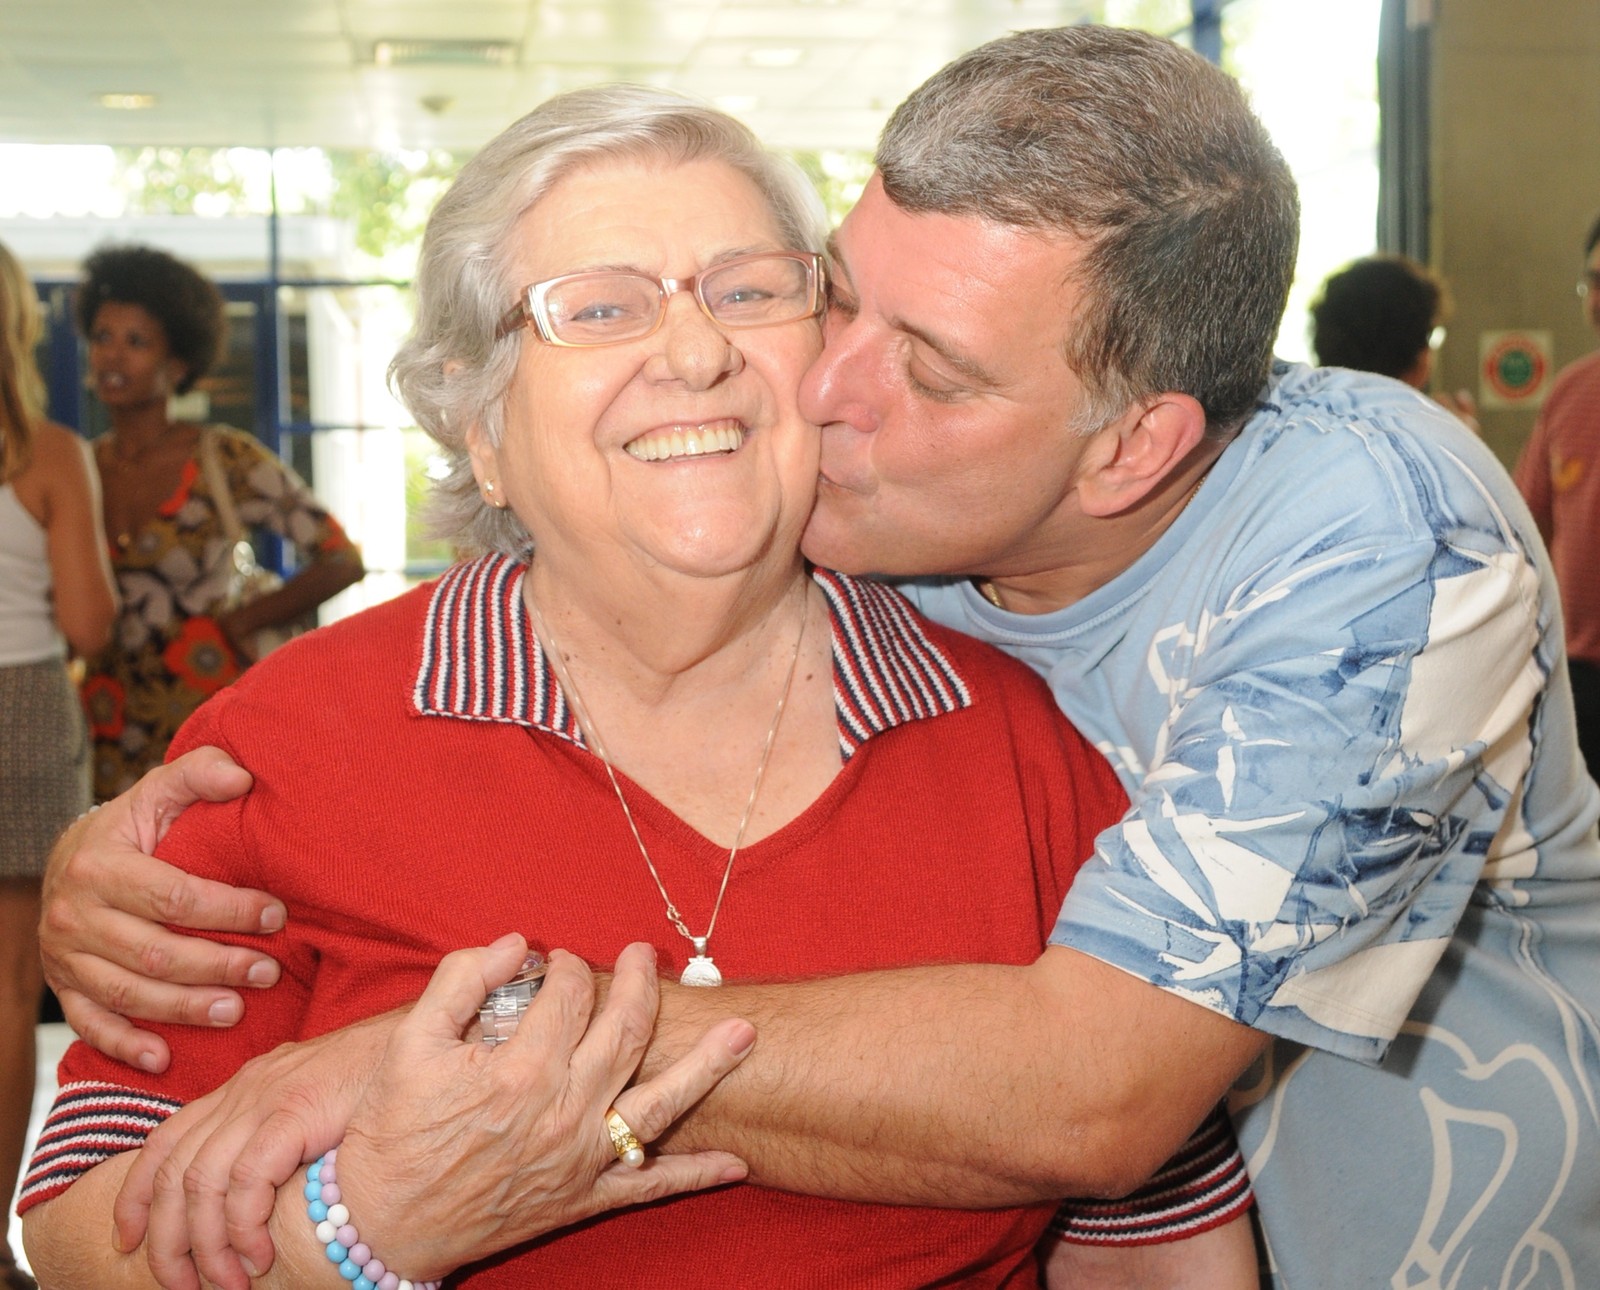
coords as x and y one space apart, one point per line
1513 367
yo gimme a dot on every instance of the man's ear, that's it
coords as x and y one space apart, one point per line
1128 459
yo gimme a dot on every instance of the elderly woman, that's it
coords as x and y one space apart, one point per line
637 716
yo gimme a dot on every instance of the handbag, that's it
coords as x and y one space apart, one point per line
248 579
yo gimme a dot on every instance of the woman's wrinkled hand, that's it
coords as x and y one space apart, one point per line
460 1150
203 1186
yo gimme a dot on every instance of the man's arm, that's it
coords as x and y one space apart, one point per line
965 1086
972 1085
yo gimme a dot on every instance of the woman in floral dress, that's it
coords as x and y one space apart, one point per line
154 327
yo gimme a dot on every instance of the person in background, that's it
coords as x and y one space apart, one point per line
55 594
1386 314
155 326
1558 475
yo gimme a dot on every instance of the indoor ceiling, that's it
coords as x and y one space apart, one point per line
451 73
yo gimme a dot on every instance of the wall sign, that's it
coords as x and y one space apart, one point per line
1514 368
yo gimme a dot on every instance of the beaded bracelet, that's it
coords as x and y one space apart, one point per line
342 1243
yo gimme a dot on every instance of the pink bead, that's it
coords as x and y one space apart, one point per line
331 1195
329 1174
388 1281
347 1236
360 1253
373 1269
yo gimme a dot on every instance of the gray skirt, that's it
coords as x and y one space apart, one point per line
44 763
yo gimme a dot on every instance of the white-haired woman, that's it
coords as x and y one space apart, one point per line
637 716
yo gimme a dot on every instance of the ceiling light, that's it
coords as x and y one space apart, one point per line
451 53
775 56
126 102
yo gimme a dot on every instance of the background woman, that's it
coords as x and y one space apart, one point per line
154 327
55 593
637 715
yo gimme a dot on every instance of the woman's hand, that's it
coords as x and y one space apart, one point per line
207 1178
460 1150
203 1186
239 634
106 952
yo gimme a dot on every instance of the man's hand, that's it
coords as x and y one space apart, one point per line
106 953
1464 406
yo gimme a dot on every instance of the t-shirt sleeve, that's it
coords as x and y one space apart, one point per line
269 494
1317 815
102 1107
1532 473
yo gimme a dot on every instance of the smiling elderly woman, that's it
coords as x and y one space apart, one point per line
637 716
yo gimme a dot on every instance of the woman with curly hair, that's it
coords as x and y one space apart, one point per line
178 496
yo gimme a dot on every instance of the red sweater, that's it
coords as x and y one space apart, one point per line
1559 475
415 758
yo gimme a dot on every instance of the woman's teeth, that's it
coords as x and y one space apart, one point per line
687 441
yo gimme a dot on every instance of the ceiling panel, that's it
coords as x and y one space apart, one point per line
804 73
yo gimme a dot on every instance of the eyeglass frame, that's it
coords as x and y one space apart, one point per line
531 310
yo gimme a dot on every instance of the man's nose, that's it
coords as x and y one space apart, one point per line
838 387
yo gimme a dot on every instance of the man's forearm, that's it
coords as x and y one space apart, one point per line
969 1085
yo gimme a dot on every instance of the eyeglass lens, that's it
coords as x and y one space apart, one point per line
602 308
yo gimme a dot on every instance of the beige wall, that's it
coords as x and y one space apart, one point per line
1516 178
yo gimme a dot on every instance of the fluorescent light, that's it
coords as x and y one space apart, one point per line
126 102
444 53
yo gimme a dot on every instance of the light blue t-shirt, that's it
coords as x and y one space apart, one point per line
1335 692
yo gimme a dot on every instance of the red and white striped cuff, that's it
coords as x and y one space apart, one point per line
1203 1186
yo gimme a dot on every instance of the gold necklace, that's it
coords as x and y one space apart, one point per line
700 970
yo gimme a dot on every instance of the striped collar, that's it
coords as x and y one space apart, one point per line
482 662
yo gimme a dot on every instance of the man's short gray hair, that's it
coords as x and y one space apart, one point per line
451 372
1153 158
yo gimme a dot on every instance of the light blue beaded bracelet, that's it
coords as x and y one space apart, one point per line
341 1242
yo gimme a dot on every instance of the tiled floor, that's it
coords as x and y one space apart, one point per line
53 1041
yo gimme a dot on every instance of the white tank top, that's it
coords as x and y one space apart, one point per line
28 632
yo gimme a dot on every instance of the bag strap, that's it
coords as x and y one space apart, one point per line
217 484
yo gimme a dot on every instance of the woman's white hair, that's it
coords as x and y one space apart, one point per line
451 372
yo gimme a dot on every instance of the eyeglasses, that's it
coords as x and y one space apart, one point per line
585 309
1589 282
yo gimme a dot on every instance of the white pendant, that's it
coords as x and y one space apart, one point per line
701 971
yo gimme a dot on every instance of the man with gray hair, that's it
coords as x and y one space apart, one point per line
1305 616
